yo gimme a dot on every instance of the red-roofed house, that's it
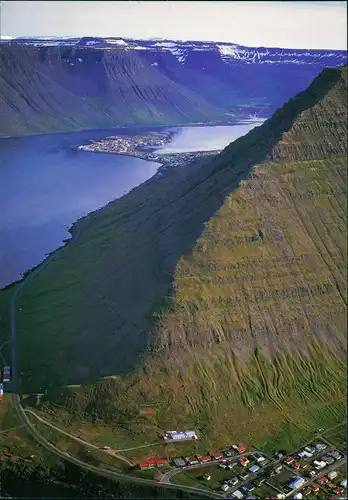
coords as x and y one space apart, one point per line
152 463
241 448
307 491
161 462
289 460
315 488
323 480
144 465
217 455
206 458
339 490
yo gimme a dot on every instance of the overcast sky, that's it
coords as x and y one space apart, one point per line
271 24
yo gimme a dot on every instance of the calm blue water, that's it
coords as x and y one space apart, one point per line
45 186
207 138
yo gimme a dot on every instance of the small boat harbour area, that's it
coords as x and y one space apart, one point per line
145 147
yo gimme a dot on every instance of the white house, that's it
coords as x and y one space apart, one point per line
238 494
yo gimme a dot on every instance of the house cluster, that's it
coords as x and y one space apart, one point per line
323 481
4 377
308 472
179 436
127 144
172 160
316 465
150 464
136 146
303 460
212 456
252 470
247 487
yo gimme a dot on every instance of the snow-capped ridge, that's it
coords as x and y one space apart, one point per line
230 53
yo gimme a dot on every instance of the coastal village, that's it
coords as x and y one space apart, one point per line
317 470
145 147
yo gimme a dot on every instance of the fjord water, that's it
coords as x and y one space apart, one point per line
208 138
46 186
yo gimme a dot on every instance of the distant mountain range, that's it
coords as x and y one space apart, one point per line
57 84
181 49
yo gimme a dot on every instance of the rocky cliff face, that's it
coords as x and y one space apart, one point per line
67 84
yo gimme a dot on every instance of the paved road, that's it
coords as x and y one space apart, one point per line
43 441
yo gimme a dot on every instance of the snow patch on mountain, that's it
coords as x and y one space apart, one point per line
229 50
115 41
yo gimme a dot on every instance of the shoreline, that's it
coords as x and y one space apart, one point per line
145 147
162 168
217 123
74 233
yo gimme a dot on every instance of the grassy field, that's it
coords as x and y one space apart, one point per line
217 474
338 436
264 491
190 478
85 453
282 479
215 295
15 443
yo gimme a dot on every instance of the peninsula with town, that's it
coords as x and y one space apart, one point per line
145 147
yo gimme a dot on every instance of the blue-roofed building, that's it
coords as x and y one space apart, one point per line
248 487
297 483
254 468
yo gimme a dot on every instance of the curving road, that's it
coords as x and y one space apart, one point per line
75 438
43 441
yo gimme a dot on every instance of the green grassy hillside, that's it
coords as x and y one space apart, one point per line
216 294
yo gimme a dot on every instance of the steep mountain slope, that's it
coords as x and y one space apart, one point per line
241 262
42 91
127 82
31 101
